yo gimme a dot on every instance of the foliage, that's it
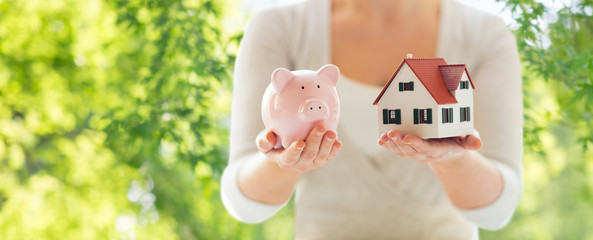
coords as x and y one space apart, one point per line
558 132
112 120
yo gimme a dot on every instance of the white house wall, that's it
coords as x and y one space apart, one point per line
465 99
406 101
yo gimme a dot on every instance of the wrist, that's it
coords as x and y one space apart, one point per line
452 162
272 164
262 180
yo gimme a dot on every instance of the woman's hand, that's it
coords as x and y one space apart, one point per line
301 156
430 150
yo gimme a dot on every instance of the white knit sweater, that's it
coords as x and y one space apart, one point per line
368 192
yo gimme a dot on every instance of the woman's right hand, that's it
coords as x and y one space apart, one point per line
317 150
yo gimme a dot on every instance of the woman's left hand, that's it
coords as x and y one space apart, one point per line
429 150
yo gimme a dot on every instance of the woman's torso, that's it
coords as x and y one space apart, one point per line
368 192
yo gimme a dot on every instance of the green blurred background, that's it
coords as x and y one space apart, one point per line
114 120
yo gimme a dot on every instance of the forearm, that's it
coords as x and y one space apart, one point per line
262 180
470 181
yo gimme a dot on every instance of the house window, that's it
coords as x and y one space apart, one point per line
406 86
464 85
447 115
423 116
392 116
464 114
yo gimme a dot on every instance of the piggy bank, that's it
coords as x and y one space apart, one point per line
295 102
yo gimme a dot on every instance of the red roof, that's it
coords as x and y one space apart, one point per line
436 75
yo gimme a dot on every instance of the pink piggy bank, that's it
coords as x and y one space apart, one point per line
297 101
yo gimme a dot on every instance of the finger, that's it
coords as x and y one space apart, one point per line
395 135
421 146
388 143
325 148
472 143
313 142
384 138
335 149
406 149
426 150
291 155
389 137
266 141
381 143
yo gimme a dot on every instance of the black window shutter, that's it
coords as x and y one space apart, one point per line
398 116
444 113
468 118
429 116
385 116
415 115
411 86
401 86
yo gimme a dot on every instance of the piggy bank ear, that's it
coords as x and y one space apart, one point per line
329 73
280 77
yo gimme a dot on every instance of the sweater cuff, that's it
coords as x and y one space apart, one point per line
237 204
497 214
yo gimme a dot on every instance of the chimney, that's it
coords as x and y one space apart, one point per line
409 55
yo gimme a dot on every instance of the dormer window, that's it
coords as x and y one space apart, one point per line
406 86
464 85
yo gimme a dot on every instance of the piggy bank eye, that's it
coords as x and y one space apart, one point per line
302 87
317 86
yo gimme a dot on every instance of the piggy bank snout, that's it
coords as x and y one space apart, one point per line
314 109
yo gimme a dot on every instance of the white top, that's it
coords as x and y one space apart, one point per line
364 129
369 192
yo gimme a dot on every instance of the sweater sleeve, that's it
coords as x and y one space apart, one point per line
499 118
239 206
264 47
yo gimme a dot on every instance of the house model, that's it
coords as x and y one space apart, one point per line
427 97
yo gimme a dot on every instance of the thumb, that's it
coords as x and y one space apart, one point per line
266 141
472 143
